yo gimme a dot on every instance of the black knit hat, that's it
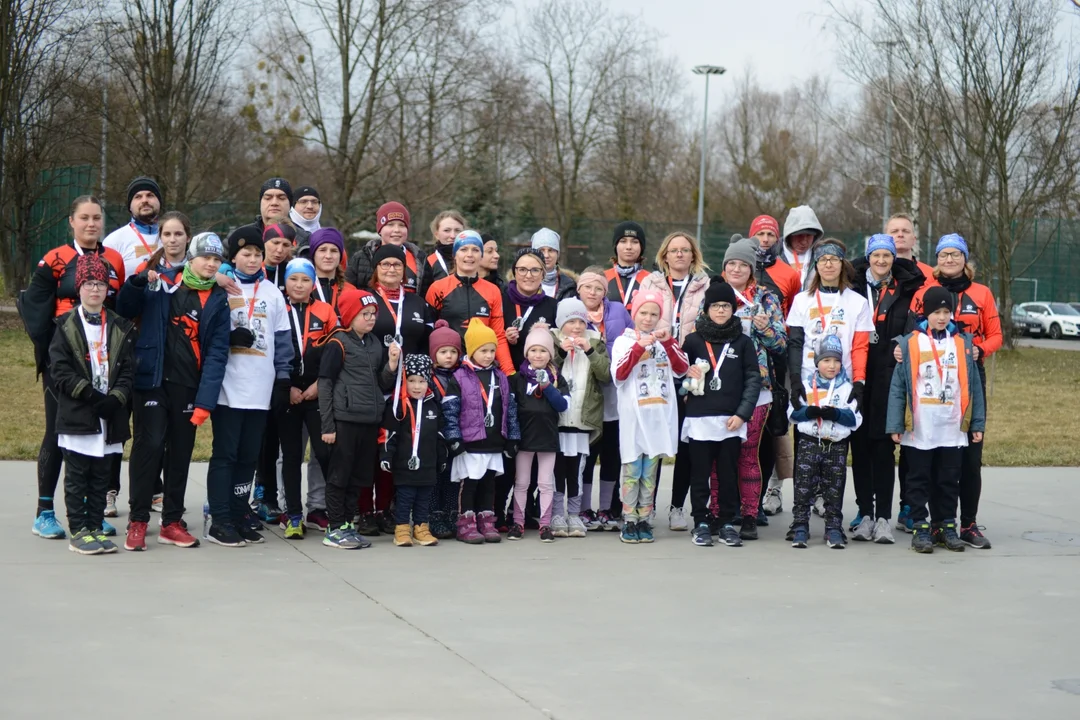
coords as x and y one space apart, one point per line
305 191
629 228
242 237
142 183
719 291
937 298
276 183
388 251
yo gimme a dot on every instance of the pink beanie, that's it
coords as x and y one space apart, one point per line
540 335
646 296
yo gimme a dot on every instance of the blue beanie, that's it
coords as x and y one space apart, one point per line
829 347
300 265
954 241
468 237
880 241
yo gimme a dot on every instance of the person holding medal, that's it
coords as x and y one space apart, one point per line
888 282
525 303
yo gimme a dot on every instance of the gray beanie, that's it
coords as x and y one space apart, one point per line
546 237
744 250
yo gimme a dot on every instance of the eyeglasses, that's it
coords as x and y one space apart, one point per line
95 285
950 255
391 265
529 272
309 202
680 251
369 314
829 260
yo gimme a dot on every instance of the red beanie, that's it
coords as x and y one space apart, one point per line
351 302
89 267
764 222
443 336
391 211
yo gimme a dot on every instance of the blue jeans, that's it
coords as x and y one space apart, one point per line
237 442
412 501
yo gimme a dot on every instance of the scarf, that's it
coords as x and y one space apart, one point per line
529 373
766 257
840 379
550 278
517 298
955 285
300 221
195 282
877 284
244 277
391 295
597 317
713 333
627 272
151 229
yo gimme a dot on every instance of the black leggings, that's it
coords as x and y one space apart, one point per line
874 473
477 495
268 457
680 480
50 459
703 457
290 426
971 470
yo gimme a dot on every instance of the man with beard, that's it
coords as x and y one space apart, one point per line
137 240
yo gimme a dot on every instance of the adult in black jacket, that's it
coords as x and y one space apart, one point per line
888 283
525 303
392 225
401 313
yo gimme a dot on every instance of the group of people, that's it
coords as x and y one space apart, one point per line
440 400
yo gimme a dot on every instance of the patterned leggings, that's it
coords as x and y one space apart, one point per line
638 490
820 467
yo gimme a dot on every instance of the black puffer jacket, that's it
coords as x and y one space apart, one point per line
890 318
418 273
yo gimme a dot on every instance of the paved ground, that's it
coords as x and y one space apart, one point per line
1063 344
578 629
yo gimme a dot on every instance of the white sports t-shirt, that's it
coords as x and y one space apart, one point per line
250 373
648 415
133 245
846 313
937 399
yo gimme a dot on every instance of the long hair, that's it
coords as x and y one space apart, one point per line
155 258
697 265
452 214
847 271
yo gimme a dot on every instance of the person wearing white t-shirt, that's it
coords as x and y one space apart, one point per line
137 240
935 400
256 379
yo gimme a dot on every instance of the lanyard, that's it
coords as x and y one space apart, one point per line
943 372
301 335
523 317
717 365
742 298
442 390
489 394
870 298
102 351
625 296
821 312
416 429
442 263
678 300
251 302
395 315
141 238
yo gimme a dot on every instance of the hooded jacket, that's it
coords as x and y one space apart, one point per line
800 219
396 439
588 400
692 298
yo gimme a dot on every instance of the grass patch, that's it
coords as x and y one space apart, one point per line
1030 411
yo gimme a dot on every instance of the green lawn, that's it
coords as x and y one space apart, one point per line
1030 409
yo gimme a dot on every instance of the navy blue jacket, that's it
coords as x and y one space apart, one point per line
151 307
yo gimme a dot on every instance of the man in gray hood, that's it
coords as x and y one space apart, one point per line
801 231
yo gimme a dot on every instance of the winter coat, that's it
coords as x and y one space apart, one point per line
848 419
616 322
468 426
542 312
538 412
69 368
772 341
418 274
591 401
352 380
692 299
396 440
740 380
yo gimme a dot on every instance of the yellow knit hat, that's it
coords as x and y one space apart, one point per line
478 335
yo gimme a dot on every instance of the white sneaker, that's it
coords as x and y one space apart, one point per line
559 527
157 504
819 506
610 523
575 527
773 504
676 519
110 504
864 532
883 532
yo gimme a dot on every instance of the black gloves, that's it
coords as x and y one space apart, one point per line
511 449
798 392
279 397
107 407
139 281
829 413
90 395
813 412
857 394
454 448
241 338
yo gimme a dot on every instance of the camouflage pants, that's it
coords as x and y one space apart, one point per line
820 468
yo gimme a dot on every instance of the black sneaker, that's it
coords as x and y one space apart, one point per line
714 525
748 531
730 536
250 536
762 519
368 525
386 523
921 542
251 521
700 535
972 535
225 535
944 535
545 534
516 532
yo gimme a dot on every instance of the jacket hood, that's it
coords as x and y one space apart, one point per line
801 219
905 272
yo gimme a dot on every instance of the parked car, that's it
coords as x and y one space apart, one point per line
1025 324
1075 306
1058 319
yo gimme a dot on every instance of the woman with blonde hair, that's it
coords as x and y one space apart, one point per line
444 228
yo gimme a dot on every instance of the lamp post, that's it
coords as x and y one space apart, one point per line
889 44
705 70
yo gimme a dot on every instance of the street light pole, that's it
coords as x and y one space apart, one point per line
888 133
705 70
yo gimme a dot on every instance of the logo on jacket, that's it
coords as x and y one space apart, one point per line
969 308
193 314
483 311
430 415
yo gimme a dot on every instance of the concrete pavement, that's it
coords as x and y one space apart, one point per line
576 629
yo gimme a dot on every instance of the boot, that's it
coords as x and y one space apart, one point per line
466 529
386 522
422 535
485 524
921 541
368 525
441 525
402 536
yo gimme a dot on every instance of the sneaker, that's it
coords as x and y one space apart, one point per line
748 530
576 527
368 525
676 519
855 521
107 529
944 535
294 527
46 526
730 536
250 536
559 527
516 532
629 533
257 495
387 523
342 538
158 503
799 536
773 504
591 521
903 519
607 522
819 506
700 535
85 542
835 539
921 542
110 504
363 542
252 522
317 521
762 519
972 535
644 532
422 535
883 532
225 535
268 514
791 534
136 536
502 525
545 534
715 525
864 529
176 534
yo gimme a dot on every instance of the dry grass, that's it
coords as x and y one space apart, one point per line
1031 409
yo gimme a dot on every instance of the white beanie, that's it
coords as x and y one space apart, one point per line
571 309
546 238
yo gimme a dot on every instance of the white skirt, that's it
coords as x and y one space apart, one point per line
574 443
473 465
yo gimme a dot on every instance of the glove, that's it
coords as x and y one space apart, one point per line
511 449
798 392
385 466
279 397
139 281
442 466
454 448
241 338
90 395
199 416
829 413
813 412
857 388
106 408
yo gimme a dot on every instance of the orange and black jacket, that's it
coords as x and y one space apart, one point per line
976 312
439 270
621 290
457 300
330 291
52 293
317 320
